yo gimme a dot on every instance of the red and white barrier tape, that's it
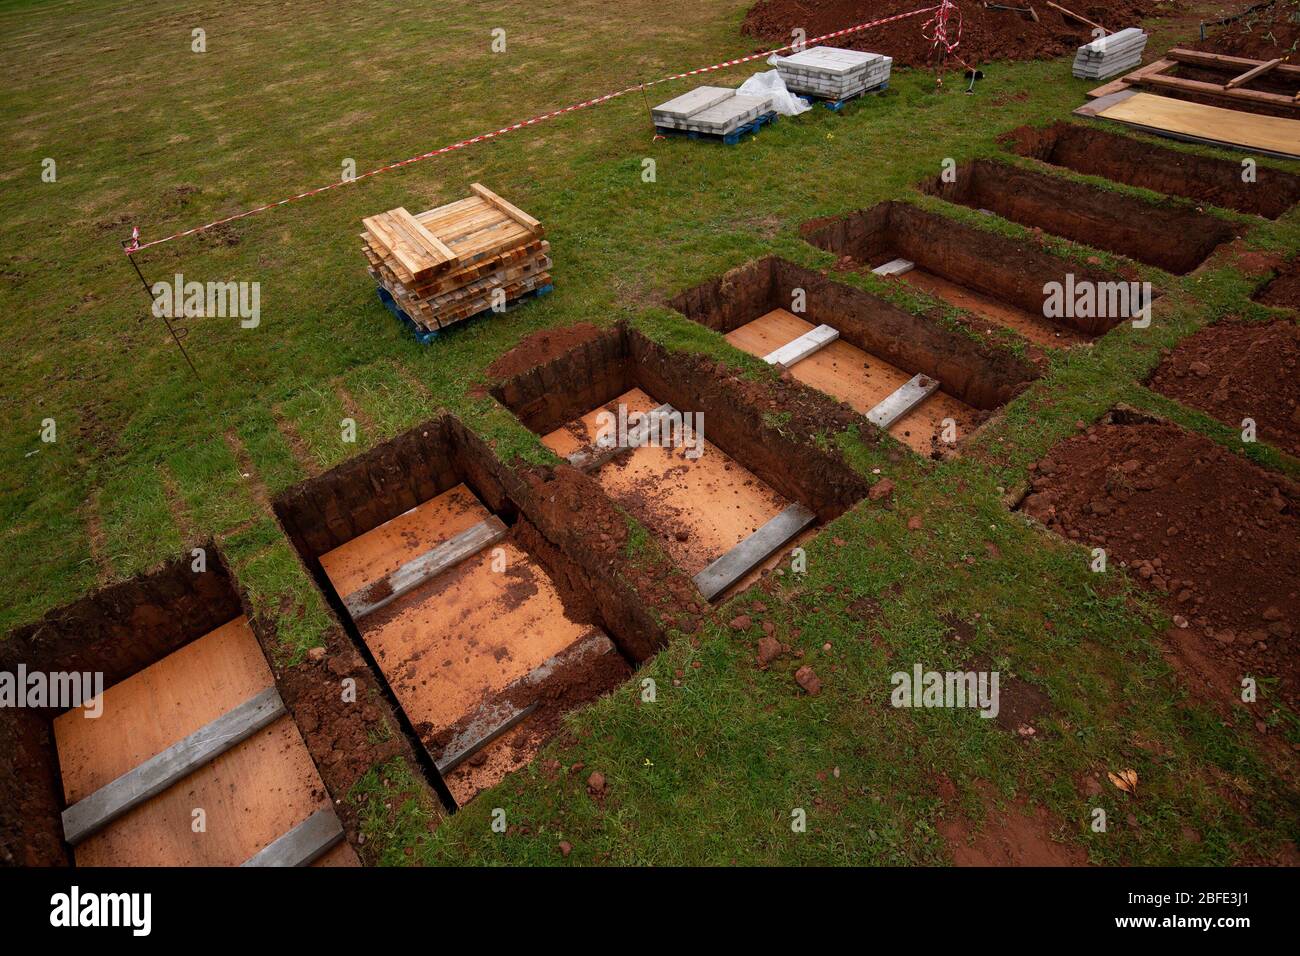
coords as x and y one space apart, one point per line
944 27
135 245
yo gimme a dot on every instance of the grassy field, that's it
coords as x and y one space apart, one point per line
147 133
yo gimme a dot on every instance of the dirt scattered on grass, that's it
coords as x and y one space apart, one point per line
1214 536
541 347
985 35
247 472
1273 31
1238 370
1283 292
1018 835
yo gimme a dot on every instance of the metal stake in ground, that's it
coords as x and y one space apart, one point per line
176 333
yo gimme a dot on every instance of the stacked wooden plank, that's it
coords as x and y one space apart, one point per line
1111 54
831 73
447 264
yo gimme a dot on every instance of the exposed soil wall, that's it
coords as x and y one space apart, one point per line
1173 238
979 374
995 265
569 511
123 629
735 411
118 631
1126 160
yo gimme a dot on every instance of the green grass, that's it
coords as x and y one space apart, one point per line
147 133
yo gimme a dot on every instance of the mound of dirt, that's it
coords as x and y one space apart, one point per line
1262 34
541 346
1215 536
1238 370
1284 291
986 34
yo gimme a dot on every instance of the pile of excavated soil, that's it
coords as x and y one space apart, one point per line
540 347
986 35
1217 537
1273 31
1238 370
1284 291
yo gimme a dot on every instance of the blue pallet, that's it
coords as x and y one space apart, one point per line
836 105
731 139
425 336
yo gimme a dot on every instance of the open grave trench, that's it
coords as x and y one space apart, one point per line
1123 159
994 277
483 606
727 503
1214 536
1171 237
906 373
201 753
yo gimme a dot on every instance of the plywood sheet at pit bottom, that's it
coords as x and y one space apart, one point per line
1032 327
382 550
1213 124
848 373
468 633
251 795
699 508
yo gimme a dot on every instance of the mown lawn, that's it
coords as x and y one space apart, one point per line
145 132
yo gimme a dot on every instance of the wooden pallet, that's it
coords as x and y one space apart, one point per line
447 264
836 105
1232 92
730 139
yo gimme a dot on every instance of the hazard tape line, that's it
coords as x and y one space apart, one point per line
134 245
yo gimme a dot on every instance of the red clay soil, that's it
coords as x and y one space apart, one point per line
1215 536
541 347
985 35
1273 31
1237 370
1284 291
1018 835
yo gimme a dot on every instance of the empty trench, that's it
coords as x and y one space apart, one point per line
1123 159
485 630
727 502
999 279
1169 237
905 372
191 727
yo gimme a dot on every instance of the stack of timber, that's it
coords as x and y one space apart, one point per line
457 261
1109 55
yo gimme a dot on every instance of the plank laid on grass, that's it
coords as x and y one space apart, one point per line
905 398
753 551
589 459
805 345
304 844
1205 124
91 814
424 567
